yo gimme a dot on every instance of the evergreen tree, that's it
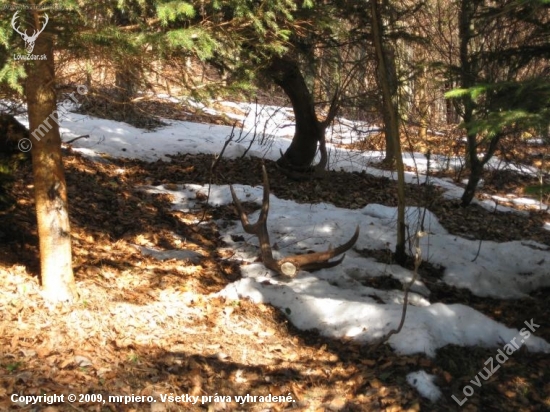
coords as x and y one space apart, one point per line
503 75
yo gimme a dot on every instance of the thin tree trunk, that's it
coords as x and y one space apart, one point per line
467 80
477 165
388 79
49 179
126 84
389 159
470 190
423 107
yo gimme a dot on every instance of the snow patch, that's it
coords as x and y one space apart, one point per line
424 384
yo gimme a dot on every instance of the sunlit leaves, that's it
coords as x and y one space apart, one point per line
456 93
195 40
5 36
174 10
11 74
474 92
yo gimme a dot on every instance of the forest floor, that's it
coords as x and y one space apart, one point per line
147 327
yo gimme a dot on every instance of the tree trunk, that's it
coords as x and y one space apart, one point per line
422 105
389 159
126 80
309 130
475 176
388 82
451 113
475 164
467 80
471 72
387 78
49 179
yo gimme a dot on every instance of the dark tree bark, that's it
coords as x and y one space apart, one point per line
126 84
127 75
387 79
49 178
390 157
467 80
309 130
469 68
11 133
477 165
476 173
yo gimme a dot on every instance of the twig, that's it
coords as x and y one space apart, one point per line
255 132
478 250
481 240
417 261
212 167
84 136
226 143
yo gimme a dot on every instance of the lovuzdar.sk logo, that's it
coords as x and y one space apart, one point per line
29 40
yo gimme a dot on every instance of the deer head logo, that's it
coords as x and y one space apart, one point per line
29 40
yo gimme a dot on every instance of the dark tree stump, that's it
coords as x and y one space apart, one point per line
11 131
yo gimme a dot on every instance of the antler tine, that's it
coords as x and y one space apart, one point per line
253 228
242 214
313 266
265 200
260 227
319 259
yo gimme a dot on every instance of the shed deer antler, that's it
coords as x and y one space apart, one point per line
290 265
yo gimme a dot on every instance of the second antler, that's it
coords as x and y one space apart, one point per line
290 265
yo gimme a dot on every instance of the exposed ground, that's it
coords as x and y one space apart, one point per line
148 327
